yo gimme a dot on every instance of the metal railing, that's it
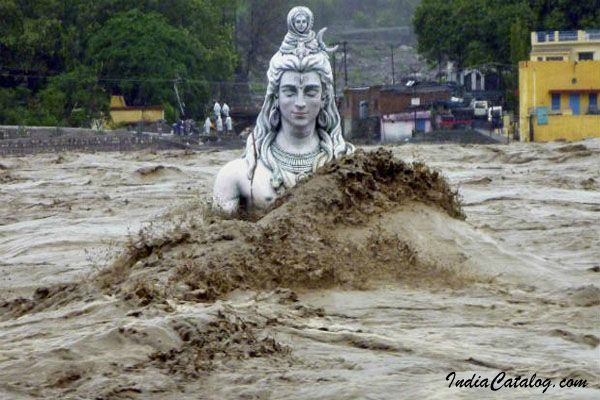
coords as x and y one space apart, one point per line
565 36
592 35
545 36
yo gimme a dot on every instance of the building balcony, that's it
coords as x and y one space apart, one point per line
552 37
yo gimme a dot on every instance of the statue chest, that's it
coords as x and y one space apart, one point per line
259 193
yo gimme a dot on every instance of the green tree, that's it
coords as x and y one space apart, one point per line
47 59
144 47
76 97
519 39
474 32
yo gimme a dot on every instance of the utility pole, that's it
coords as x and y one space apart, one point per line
334 74
393 71
344 43
414 94
181 104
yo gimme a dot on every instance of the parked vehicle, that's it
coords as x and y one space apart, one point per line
480 108
458 118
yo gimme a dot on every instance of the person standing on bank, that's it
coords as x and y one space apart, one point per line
298 128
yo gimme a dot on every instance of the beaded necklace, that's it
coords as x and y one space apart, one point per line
294 162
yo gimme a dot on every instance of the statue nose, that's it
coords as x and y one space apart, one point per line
300 102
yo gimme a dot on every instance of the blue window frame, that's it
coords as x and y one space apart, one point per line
556 101
594 100
574 103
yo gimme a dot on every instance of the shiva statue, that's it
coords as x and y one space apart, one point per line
298 128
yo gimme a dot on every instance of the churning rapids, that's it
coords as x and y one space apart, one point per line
376 279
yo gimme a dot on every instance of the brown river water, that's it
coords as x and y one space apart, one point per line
368 282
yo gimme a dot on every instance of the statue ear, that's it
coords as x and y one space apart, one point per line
322 119
275 119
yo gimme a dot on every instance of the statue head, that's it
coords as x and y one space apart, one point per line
300 20
302 54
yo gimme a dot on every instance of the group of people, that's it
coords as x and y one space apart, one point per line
221 123
220 113
183 127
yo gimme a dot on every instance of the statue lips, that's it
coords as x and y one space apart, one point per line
299 115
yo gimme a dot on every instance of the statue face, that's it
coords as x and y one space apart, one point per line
301 22
300 99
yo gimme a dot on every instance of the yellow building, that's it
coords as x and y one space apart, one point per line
559 87
121 114
565 46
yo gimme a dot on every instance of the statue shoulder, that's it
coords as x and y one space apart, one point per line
229 185
234 171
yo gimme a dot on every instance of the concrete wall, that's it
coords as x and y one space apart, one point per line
568 49
352 98
573 127
45 140
392 102
539 79
396 131
131 115
20 132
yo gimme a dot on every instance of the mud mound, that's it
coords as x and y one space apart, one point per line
590 340
155 173
7 177
586 296
572 147
44 298
64 158
588 184
156 170
365 184
326 232
227 336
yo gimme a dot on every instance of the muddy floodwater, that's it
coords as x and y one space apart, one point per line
377 279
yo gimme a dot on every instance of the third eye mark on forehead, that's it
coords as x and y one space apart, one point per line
306 88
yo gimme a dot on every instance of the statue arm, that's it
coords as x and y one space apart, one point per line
227 190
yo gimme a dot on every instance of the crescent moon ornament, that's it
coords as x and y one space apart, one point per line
322 44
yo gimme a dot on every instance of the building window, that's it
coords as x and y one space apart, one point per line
363 110
574 103
540 58
588 55
556 101
594 103
554 58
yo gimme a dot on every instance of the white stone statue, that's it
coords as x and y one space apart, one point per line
207 125
298 128
219 125
217 109
225 110
228 124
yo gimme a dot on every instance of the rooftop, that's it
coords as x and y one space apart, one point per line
551 37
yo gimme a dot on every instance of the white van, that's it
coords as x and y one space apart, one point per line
480 108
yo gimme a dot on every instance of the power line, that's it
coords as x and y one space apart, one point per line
109 79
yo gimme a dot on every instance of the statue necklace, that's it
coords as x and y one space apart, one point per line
296 163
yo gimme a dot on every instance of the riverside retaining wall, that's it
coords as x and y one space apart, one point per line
32 140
